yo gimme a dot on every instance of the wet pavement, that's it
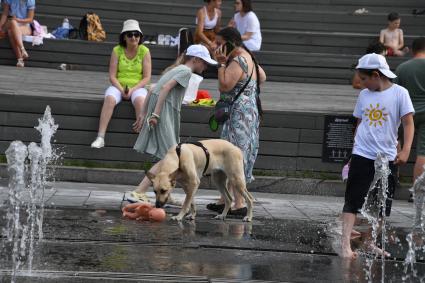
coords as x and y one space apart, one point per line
292 239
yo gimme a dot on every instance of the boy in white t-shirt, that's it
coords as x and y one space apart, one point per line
380 108
248 25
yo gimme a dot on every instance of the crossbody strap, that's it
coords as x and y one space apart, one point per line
243 88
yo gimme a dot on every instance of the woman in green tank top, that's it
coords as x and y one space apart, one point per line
129 72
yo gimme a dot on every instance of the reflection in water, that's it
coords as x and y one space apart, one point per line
275 250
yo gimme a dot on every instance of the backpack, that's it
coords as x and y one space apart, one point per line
91 29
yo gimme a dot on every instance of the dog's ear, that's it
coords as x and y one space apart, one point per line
150 175
173 177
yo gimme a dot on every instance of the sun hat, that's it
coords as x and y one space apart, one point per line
375 61
131 25
200 51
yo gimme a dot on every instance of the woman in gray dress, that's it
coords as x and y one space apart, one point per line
159 122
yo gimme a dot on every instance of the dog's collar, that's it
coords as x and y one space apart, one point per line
207 154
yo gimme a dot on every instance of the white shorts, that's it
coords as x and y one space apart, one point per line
116 93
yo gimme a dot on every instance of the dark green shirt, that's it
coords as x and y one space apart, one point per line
411 75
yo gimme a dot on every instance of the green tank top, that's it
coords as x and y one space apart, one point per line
129 71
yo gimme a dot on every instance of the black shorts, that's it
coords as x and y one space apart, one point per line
360 177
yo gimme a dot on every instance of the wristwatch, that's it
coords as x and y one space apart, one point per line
222 65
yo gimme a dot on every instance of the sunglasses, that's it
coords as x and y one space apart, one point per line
130 34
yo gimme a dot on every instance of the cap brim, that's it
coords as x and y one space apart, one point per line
388 73
210 61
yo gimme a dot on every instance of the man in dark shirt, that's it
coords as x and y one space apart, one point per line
411 75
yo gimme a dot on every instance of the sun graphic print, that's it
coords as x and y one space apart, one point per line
376 115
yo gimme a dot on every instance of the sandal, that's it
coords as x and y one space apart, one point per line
20 63
217 207
24 53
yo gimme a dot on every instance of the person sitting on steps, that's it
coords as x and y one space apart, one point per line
130 70
392 37
208 20
15 19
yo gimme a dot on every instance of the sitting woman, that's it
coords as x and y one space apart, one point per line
208 21
129 73
247 23
240 76
15 19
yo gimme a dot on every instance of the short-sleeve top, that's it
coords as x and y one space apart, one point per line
167 133
381 113
130 71
249 23
19 8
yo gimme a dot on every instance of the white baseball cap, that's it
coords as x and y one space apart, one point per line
200 51
375 61
131 25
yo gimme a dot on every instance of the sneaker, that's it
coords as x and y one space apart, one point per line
137 197
99 142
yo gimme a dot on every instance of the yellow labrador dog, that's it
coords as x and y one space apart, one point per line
188 162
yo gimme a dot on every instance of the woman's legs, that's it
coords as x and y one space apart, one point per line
112 98
15 32
138 100
106 114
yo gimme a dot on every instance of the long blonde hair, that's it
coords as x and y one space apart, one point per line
182 59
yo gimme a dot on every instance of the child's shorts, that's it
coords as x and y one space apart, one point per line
116 93
360 177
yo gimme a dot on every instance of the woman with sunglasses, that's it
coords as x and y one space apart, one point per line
208 21
15 19
130 70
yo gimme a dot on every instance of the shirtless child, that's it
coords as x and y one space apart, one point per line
392 37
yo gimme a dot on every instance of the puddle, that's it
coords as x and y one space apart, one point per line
275 250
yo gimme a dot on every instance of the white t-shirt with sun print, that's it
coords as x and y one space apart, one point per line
381 113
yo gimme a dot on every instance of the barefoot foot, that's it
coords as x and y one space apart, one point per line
372 248
348 254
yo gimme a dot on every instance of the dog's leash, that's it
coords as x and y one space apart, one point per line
207 153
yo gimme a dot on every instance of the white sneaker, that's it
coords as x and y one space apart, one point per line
99 142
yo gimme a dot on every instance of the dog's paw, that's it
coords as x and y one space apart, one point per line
220 217
247 219
177 218
190 217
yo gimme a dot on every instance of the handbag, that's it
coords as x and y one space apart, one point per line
223 107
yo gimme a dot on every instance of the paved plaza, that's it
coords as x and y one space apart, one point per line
270 206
